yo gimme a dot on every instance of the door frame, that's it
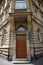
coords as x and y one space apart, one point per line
27 44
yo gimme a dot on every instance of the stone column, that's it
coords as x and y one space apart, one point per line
9 44
29 30
13 5
28 46
11 29
28 5
14 46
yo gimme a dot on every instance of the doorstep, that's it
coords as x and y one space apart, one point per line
20 61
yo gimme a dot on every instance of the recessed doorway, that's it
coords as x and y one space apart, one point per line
21 51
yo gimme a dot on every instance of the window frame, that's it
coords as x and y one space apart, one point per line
20 4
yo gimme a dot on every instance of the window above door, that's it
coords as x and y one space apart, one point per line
20 4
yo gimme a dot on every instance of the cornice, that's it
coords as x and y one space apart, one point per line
36 20
37 6
4 23
9 19
7 6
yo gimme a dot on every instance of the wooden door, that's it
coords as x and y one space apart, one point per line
21 51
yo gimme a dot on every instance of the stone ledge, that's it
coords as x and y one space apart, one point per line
20 62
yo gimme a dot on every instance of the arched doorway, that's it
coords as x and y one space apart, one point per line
21 50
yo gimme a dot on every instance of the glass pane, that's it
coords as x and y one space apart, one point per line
23 5
17 5
20 4
21 29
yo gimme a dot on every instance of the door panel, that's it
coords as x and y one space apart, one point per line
21 51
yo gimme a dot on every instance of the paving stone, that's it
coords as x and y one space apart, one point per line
4 61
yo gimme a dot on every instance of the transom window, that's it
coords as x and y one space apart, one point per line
21 29
20 4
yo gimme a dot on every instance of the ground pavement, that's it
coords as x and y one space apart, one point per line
38 61
4 61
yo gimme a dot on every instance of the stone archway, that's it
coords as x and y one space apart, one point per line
21 47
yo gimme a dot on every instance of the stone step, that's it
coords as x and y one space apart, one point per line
20 59
20 62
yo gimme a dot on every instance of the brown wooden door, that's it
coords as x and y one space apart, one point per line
21 46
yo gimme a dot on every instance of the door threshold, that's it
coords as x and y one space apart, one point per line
20 59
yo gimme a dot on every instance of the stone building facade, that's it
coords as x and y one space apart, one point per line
21 28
